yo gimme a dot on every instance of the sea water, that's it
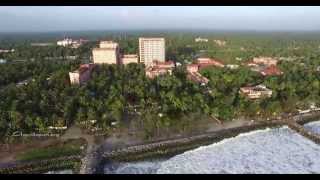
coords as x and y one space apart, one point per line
277 150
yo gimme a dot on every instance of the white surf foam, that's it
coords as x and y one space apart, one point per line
278 150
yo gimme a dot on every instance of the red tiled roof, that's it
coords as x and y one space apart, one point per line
163 63
271 70
83 69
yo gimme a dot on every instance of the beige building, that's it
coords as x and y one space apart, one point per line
151 49
265 60
107 53
159 68
256 92
199 39
129 58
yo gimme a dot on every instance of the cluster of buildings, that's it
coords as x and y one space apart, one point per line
193 69
266 66
151 51
152 54
68 42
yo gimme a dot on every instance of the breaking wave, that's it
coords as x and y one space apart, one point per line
277 150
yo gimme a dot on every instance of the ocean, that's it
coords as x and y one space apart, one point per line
270 151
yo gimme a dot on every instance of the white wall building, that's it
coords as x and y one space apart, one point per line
107 53
65 42
151 49
129 58
199 39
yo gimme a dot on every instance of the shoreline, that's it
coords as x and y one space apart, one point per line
179 145
151 150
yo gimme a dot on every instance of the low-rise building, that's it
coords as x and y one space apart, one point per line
199 39
256 92
232 66
205 62
65 42
194 75
159 68
266 67
6 50
166 64
68 42
220 42
152 72
271 71
129 58
81 75
268 61
197 77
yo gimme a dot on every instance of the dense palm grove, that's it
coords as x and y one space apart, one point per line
120 95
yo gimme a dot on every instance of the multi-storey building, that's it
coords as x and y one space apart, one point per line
151 49
107 53
129 58
158 68
82 74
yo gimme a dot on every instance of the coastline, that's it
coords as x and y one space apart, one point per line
162 148
173 147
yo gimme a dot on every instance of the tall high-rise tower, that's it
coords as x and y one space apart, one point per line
151 49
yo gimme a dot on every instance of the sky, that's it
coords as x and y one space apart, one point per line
70 18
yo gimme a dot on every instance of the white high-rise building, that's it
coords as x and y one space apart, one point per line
151 49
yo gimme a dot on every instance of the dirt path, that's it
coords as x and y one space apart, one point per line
90 160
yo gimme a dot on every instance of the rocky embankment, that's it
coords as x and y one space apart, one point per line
171 147
42 166
175 146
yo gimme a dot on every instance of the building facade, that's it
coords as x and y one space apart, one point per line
129 58
82 74
159 68
205 62
268 61
65 42
194 75
256 92
151 49
107 53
